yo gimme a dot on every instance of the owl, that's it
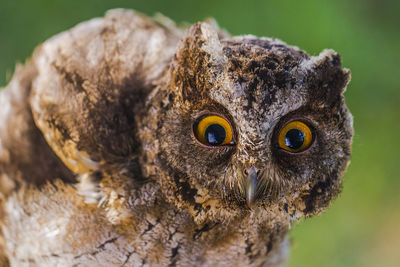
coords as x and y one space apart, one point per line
130 141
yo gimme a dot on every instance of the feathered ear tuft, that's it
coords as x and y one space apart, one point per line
198 60
326 77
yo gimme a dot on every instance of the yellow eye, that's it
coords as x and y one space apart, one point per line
296 136
213 130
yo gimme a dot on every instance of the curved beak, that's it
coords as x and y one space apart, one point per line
251 184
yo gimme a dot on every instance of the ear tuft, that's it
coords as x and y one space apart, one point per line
198 60
327 80
201 38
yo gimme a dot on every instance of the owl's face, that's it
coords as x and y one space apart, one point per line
250 122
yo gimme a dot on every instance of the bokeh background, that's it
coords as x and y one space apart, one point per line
362 227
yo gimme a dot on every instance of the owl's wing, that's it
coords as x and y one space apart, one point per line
72 108
74 82
92 83
24 154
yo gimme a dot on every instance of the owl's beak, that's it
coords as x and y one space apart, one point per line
251 183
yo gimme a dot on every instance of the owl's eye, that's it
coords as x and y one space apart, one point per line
213 130
295 137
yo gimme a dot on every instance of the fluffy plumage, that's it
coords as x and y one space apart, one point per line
99 163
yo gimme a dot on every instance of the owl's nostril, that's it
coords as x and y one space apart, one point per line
252 169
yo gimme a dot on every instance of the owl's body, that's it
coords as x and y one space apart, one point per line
103 160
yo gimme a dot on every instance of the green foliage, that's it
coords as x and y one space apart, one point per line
361 228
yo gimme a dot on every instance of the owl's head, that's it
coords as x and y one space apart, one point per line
246 122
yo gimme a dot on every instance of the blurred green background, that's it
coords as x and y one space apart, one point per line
362 227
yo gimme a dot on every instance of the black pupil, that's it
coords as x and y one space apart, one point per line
215 134
294 139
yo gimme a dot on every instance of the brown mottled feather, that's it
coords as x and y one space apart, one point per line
100 166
